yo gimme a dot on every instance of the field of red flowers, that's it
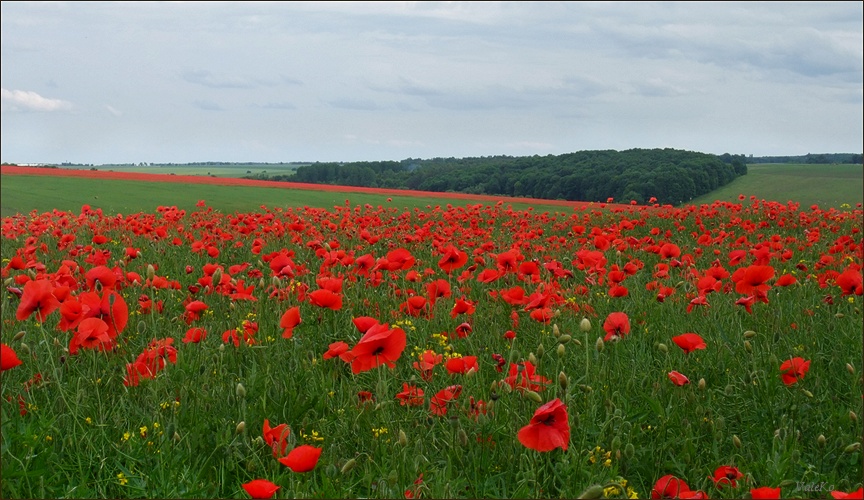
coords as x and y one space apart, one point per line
459 351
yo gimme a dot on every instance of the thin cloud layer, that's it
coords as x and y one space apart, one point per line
351 81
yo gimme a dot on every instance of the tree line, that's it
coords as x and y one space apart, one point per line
668 175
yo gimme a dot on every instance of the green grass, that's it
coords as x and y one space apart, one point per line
203 170
22 194
824 185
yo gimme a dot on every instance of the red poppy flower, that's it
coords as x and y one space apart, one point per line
38 298
859 493
548 428
616 325
462 365
523 376
414 306
668 486
678 378
92 333
752 279
410 395
785 280
379 345
195 335
194 310
303 458
438 403
102 275
689 342
289 320
8 358
764 492
542 315
437 289
339 349
793 370
428 360
260 488
726 474
364 323
276 437
850 281
453 259
326 298
747 302
462 306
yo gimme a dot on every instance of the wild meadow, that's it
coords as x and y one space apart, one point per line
446 351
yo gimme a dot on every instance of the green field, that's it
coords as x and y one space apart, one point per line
824 185
22 194
228 170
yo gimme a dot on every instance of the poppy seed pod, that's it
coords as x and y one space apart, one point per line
629 450
585 325
20 335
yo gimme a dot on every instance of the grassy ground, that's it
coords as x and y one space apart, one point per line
823 185
211 170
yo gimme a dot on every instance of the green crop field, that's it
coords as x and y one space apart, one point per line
226 170
824 185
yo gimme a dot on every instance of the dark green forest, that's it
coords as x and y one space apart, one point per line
670 176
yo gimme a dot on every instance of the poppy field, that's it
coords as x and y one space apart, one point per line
474 351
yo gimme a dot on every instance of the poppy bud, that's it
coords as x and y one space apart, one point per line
350 464
593 492
141 327
216 278
240 391
796 455
241 427
32 274
177 437
561 350
258 441
562 380
533 396
772 359
849 367
662 348
807 393
532 358
852 416
599 345
749 334
56 342
701 384
585 388
470 373
585 325
852 448
839 315
541 351
392 477
563 339
25 349
514 356
736 441
151 271
720 422
821 441
403 438
221 346
463 437
787 483
20 335
730 389
555 331
616 443
8 281
629 450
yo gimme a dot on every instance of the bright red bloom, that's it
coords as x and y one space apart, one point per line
303 458
194 335
194 310
752 279
677 378
102 275
38 298
726 474
669 486
437 289
525 377
764 492
747 302
438 403
428 360
462 365
326 298
92 333
364 323
339 349
410 395
276 437
379 345
689 342
415 306
260 488
793 370
8 358
289 320
785 280
462 306
617 324
850 281
859 493
453 259
548 428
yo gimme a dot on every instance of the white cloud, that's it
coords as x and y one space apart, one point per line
27 100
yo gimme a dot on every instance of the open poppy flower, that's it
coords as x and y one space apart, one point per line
194 335
339 349
289 320
8 358
276 437
438 403
303 458
38 298
668 486
92 333
410 395
793 370
548 428
765 492
726 474
327 299
678 378
462 365
617 325
379 345
260 488
689 342
859 493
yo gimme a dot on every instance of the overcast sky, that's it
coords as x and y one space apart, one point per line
104 82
